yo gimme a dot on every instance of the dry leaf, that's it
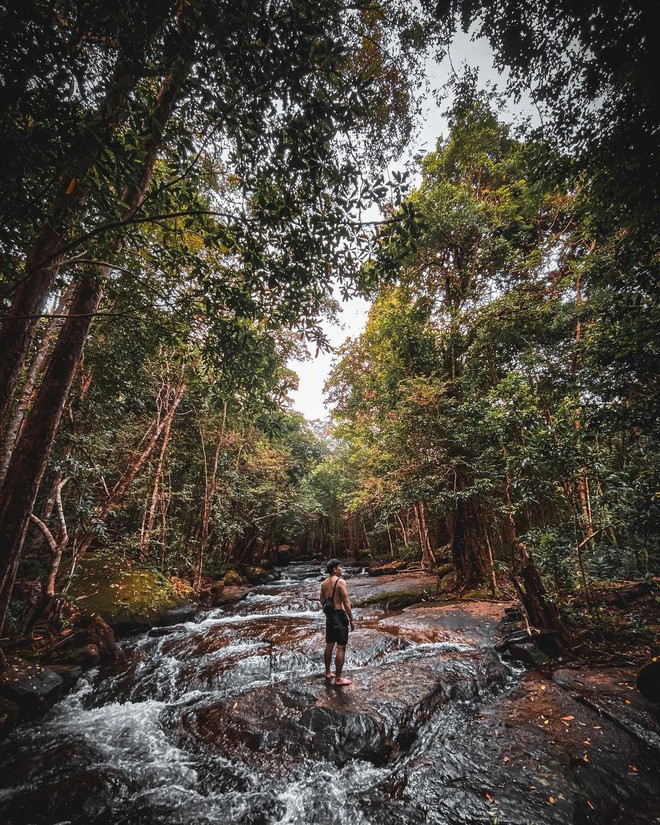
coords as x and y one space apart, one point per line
552 800
585 757
71 186
490 798
590 805
506 759
567 718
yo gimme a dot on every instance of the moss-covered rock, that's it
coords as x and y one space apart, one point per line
233 578
123 594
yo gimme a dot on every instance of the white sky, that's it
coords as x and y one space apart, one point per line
308 398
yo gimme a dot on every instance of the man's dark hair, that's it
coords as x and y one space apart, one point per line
330 566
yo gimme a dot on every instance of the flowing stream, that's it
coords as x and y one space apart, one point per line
228 719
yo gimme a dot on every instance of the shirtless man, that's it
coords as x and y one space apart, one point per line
336 625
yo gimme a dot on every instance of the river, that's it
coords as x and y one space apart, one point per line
228 719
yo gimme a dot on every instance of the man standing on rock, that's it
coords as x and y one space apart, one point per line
337 619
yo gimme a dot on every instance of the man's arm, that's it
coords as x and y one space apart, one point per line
346 602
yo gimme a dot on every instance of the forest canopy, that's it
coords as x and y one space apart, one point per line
185 184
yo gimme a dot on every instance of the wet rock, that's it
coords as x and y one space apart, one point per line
69 673
157 632
84 657
232 595
9 714
34 688
87 797
387 569
611 692
257 575
528 755
284 555
211 593
185 613
528 653
648 680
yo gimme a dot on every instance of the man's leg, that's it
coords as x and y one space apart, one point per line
328 659
339 660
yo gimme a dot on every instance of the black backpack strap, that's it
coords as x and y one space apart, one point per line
333 590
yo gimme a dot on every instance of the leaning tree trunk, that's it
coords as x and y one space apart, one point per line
43 262
30 456
16 506
17 418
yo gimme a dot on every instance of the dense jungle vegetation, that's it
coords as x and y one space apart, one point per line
182 185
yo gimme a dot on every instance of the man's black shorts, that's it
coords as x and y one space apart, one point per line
336 628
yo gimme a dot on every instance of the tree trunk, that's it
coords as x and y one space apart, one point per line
541 613
32 450
44 260
16 420
428 559
145 539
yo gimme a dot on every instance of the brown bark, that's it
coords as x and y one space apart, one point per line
541 613
16 419
45 258
30 456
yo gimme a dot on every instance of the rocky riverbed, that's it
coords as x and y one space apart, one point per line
227 718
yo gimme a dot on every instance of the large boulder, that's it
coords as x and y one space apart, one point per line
34 688
130 599
211 593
